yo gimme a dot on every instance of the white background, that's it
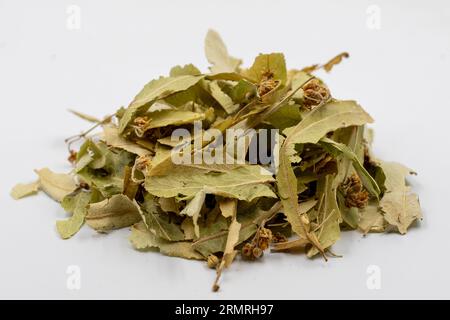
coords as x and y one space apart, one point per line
399 73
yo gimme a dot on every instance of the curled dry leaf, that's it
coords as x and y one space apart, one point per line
399 205
22 190
79 209
114 139
55 185
334 61
141 238
114 213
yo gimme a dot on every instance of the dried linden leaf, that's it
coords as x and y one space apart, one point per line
112 138
371 219
222 98
56 185
327 118
67 228
193 209
24 190
329 217
264 64
186 70
400 206
113 213
334 61
159 223
142 239
244 183
367 180
156 89
172 117
228 207
217 54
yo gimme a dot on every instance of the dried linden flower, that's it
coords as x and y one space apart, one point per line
355 194
314 93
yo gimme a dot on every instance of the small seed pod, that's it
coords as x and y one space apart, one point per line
267 84
278 237
72 156
257 253
212 261
141 121
265 233
357 199
263 243
247 250
355 194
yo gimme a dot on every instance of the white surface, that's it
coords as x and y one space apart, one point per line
398 73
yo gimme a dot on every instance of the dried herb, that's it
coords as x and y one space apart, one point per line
167 167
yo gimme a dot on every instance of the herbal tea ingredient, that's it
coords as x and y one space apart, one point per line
167 168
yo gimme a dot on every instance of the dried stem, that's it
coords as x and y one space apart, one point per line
82 135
